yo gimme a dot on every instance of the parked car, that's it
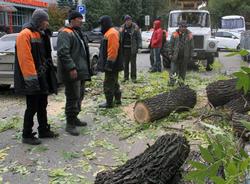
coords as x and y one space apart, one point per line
7 57
230 40
146 37
94 35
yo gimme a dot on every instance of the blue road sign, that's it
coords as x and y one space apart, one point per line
82 9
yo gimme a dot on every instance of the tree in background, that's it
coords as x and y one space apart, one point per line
222 8
57 17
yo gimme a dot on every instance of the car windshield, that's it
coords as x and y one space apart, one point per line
7 43
232 23
193 19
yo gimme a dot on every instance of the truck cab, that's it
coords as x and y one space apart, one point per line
199 23
233 23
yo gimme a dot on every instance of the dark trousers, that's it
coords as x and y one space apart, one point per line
111 85
178 68
74 92
35 104
129 58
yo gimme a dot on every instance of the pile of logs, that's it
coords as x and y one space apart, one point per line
224 93
180 99
158 164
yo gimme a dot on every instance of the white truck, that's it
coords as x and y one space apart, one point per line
199 23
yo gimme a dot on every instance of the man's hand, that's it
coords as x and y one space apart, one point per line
73 74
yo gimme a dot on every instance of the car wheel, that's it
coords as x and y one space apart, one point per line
94 65
4 86
238 47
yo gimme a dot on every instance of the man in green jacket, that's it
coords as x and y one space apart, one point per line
74 69
130 42
180 52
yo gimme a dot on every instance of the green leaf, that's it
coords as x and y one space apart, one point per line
197 176
218 180
245 164
206 155
218 151
243 52
232 54
213 169
231 169
246 124
198 165
245 69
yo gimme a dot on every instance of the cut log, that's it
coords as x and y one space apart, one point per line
180 99
239 129
221 92
239 105
158 164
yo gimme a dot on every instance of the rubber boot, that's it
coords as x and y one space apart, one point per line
108 103
118 97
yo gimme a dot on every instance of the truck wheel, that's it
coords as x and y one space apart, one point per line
210 61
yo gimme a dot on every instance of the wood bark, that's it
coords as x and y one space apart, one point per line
158 164
239 105
223 91
157 107
239 129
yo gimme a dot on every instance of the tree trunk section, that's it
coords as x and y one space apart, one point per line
239 105
223 91
239 129
157 107
158 164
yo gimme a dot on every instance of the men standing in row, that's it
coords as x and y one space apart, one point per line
73 69
156 45
34 75
180 52
131 41
110 62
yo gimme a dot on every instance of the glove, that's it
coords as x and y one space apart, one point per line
109 66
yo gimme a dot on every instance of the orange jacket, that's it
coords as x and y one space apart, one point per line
24 54
112 37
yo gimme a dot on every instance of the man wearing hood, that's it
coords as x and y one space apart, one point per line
73 69
110 62
156 45
35 75
180 51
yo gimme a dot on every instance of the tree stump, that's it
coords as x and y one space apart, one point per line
239 129
239 105
223 91
158 164
157 107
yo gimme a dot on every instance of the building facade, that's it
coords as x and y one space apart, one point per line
14 13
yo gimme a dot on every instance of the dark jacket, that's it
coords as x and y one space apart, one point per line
174 45
73 53
156 39
34 71
136 40
110 51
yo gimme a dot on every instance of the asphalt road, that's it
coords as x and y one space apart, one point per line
26 165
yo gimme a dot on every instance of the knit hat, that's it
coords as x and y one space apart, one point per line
74 14
38 16
127 17
105 22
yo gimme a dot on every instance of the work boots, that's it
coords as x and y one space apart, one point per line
108 103
118 97
45 132
31 139
71 127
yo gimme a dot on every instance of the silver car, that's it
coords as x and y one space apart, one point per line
7 58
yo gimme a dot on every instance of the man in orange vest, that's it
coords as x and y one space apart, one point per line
180 52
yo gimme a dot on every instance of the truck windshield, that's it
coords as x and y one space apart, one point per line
193 19
232 23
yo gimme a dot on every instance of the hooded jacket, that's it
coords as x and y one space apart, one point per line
156 39
136 40
110 50
34 71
